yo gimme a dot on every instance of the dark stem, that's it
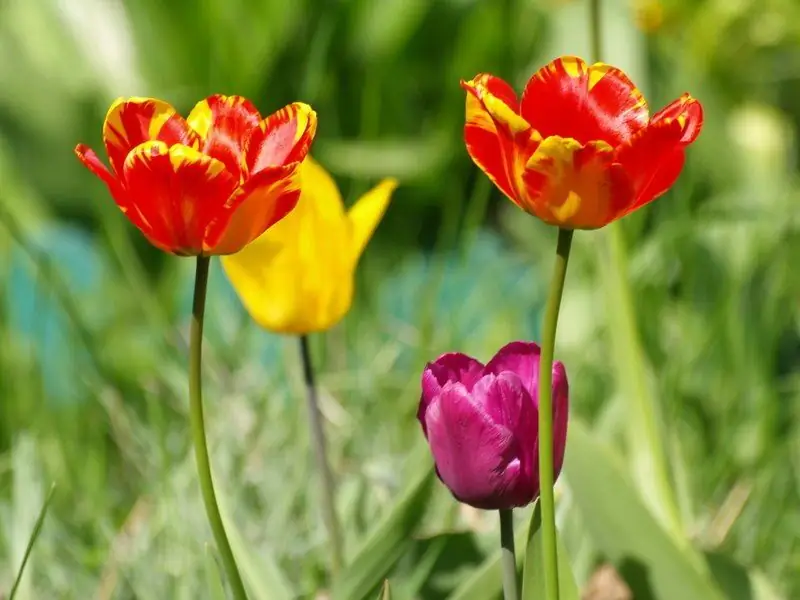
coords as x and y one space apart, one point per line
197 423
319 441
546 475
507 557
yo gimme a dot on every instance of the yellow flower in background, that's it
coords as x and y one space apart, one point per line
298 276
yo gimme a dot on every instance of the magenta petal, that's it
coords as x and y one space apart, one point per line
448 368
476 458
521 358
560 415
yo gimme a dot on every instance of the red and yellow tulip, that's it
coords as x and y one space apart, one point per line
298 277
208 184
579 149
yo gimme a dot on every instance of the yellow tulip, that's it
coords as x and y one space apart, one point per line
298 276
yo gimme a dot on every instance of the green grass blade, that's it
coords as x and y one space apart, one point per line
533 571
37 528
386 592
386 542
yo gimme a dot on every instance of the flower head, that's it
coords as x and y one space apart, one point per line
579 149
208 184
481 423
298 276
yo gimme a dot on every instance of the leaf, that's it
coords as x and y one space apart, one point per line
436 565
533 571
624 529
215 586
386 542
736 582
645 440
37 528
486 582
264 576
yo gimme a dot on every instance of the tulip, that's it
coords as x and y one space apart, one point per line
208 184
298 277
579 149
481 423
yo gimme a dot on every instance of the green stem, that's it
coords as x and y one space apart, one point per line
198 428
323 464
507 556
546 475
595 30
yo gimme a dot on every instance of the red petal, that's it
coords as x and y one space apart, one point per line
575 186
283 137
653 159
223 123
689 113
178 191
570 99
480 133
137 120
262 201
92 162
516 139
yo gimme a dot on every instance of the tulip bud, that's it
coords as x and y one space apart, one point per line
481 423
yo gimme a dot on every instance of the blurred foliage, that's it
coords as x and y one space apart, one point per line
685 320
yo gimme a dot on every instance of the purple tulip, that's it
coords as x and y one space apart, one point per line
481 423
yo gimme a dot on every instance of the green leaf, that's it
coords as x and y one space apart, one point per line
436 565
737 582
486 582
533 571
623 528
37 528
215 586
386 542
263 575
645 439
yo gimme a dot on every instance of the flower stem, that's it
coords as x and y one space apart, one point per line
595 30
198 428
507 557
546 475
323 464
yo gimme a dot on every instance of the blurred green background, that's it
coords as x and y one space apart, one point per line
680 329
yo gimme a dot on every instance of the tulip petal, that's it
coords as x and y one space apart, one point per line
262 201
133 121
475 457
652 159
569 98
92 162
297 277
223 123
318 185
480 133
366 213
283 137
178 191
521 358
689 114
452 367
560 416
575 186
